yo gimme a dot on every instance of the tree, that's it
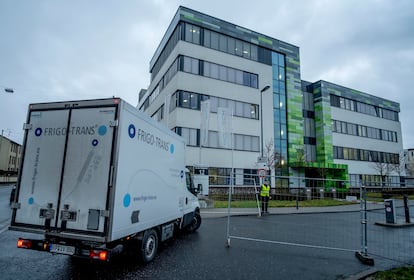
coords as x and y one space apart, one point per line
383 169
399 167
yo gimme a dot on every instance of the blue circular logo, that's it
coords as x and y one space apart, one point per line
95 142
172 148
127 200
31 200
38 131
131 130
102 130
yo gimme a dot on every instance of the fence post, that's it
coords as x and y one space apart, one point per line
228 215
406 209
363 254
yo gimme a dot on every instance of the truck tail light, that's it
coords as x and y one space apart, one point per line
24 243
101 255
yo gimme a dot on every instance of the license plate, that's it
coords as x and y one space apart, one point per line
62 249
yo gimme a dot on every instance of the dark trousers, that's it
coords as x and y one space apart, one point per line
265 202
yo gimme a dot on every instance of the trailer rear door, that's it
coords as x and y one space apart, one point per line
41 172
84 192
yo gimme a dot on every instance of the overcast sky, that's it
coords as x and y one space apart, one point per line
53 50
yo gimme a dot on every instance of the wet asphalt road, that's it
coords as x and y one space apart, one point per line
201 255
204 254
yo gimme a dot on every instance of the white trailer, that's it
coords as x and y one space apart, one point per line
98 177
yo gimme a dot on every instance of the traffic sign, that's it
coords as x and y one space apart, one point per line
261 173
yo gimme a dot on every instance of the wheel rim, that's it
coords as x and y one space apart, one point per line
150 246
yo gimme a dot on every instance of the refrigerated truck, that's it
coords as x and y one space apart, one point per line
99 177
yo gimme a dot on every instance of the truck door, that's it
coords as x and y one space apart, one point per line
87 168
42 168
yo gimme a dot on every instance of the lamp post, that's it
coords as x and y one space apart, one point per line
7 89
261 118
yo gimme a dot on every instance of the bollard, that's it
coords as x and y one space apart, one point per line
308 193
406 209
322 193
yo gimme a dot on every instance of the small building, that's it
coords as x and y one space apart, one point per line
10 157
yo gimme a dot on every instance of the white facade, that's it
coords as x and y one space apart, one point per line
182 64
365 143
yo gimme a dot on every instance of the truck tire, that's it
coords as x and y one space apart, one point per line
149 246
195 224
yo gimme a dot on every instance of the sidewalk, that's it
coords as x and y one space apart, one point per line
223 212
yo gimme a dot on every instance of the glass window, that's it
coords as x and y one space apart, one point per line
185 99
214 40
193 137
277 130
223 43
239 48
238 142
247 143
192 33
282 116
281 60
255 144
222 73
343 129
194 101
196 35
222 103
187 64
276 115
253 52
281 73
246 50
206 70
239 77
282 87
342 102
276 102
246 79
253 111
231 75
214 71
188 32
207 34
239 109
194 66
231 45
253 81
283 132
213 139
213 104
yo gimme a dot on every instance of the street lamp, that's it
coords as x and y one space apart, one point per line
261 117
7 89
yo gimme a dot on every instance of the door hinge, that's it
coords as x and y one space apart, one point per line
27 126
113 123
15 205
104 213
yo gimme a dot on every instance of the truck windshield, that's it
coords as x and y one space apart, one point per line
189 182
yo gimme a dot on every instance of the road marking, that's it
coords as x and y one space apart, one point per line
4 225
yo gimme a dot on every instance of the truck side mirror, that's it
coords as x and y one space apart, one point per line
199 188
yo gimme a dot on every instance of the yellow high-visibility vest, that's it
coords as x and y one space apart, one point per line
265 191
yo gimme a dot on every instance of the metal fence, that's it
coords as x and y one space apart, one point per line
322 214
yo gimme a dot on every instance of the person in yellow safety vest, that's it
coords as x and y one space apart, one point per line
264 196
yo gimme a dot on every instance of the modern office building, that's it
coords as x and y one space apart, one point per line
300 129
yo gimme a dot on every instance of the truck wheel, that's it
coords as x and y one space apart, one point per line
196 223
149 245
